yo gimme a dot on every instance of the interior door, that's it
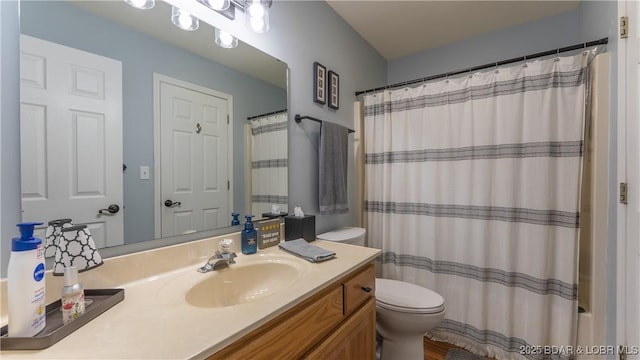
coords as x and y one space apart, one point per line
194 173
628 317
71 137
633 183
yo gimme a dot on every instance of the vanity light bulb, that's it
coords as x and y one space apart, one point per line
141 4
225 40
218 5
257 23
184 20
256 9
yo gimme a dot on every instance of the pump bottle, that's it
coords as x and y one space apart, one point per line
234 220
25 284
249 242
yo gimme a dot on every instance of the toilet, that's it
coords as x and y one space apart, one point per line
404 311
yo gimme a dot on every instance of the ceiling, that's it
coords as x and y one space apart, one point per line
400 28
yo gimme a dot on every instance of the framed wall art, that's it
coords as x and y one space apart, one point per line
333 90
319 83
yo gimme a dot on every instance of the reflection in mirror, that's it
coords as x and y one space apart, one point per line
120 108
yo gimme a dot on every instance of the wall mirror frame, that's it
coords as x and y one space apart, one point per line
249 65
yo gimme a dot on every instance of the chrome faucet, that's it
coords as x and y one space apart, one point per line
221 259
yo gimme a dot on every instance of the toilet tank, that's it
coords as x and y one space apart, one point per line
348 235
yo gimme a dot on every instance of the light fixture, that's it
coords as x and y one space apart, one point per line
217 5
141 4
257 15
183 19
225 40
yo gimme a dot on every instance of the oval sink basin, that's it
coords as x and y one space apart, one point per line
239 284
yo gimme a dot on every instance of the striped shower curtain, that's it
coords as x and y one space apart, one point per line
269 161
472 190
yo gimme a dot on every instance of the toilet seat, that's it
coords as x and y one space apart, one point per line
405 297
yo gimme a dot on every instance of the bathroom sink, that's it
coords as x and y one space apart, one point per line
244 283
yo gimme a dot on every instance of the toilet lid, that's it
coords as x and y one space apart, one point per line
406 297
342 233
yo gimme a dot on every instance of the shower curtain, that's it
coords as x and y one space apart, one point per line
269 163
472 190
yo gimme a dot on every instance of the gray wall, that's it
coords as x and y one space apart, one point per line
549 33
141 56
303 32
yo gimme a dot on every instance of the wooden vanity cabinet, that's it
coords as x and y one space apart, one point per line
337 323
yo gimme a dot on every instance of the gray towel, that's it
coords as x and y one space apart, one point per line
302 248
332 164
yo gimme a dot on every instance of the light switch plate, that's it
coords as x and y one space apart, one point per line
144 173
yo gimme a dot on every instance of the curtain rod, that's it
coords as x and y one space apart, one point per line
602 41
267 114
299 118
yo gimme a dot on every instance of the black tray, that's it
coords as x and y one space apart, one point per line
54 331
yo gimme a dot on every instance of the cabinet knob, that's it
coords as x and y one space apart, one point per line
366 289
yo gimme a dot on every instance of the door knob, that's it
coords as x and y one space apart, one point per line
112 209
170 204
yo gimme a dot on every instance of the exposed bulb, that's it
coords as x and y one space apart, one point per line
141 4
218 5
225 40
257 23
256 9
184 20
257 18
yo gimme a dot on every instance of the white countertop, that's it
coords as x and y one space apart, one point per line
154 321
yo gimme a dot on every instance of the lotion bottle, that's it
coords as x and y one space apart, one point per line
26 284
249 243
72 296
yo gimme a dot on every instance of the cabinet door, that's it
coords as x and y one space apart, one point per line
293 334
354 339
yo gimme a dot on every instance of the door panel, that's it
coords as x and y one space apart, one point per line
71 136
193 158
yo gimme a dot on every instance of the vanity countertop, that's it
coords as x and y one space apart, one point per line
154 321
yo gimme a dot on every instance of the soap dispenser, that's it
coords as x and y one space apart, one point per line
26 284
235 221
249 243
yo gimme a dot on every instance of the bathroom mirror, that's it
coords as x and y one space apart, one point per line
167 78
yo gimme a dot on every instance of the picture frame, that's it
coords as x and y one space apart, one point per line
319 83
333 90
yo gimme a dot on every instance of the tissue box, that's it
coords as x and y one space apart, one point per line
300 227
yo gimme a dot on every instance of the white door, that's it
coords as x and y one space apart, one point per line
194 150
71 137
629 172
